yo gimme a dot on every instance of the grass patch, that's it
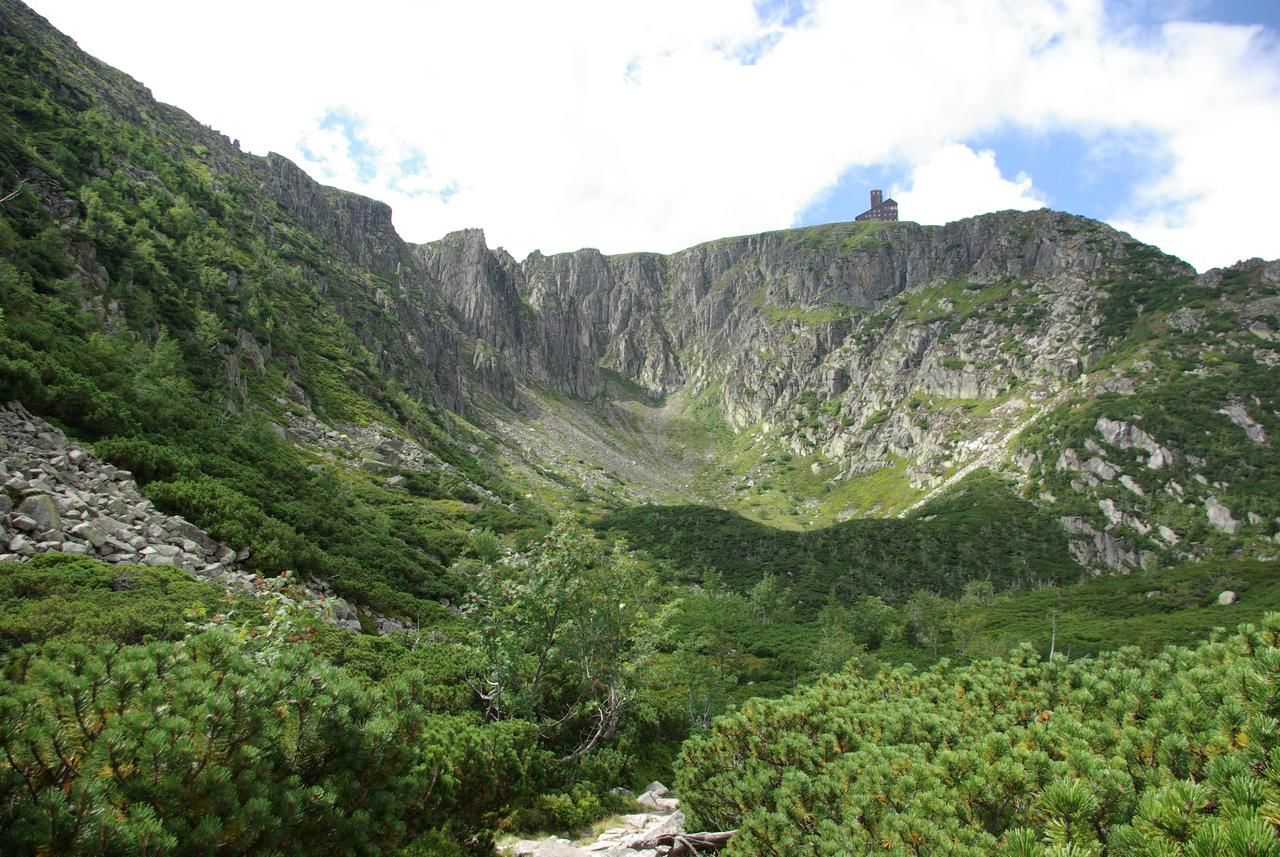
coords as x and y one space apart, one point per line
886 491
955 299
813 315
844 238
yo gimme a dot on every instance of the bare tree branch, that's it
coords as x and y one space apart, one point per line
14 192
688 843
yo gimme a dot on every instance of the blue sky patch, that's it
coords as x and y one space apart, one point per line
773 13
1094 175
1091 175
413 165
362 154
750 53
1153 13
785 13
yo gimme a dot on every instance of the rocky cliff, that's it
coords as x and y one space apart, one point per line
671 321
863 368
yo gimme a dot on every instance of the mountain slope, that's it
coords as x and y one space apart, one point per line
198 313
802 377
814 375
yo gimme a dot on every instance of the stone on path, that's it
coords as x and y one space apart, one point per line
551 848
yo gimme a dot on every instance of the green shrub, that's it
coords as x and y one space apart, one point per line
146 460
1125 754
63 597
208 744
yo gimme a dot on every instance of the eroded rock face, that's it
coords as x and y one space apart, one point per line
1094 548
667 321
461 319
1123 435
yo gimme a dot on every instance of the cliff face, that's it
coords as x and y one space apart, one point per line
668 321
1000 300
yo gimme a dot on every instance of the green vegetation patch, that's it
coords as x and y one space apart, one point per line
844 238
882 492
61 597
1148 281
1124 754
955 300
238 739
1150 610
1180 411
812 315
980 530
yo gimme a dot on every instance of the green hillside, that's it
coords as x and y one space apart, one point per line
981 531
158 305
876 537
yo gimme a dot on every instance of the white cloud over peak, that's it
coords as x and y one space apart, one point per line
955 182
655 125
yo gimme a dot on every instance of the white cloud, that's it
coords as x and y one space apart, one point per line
636 126
1216 202
956 182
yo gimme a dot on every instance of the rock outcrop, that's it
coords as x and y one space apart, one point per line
1236 412
58 496
63 498
669 321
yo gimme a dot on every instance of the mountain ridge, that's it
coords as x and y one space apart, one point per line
799 376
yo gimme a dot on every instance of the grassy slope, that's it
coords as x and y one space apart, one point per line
1193 348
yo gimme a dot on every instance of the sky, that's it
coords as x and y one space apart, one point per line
658 124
